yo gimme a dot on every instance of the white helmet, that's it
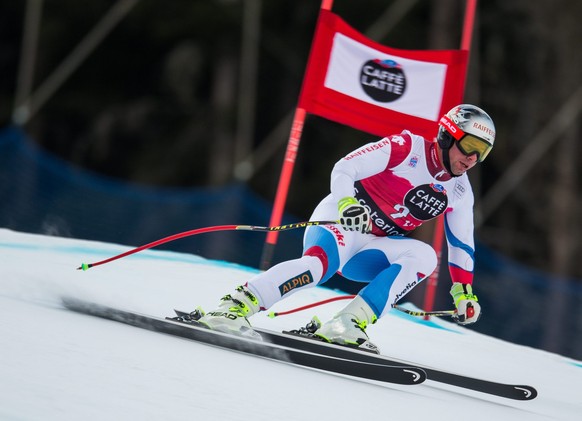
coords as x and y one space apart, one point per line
471 127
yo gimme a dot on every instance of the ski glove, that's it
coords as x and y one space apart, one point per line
468 309
353 216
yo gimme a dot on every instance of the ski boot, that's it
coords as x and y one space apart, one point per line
231 315
348 327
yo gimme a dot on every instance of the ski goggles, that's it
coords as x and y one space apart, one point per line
470 144
467 143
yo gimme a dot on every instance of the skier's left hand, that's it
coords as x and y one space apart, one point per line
468 309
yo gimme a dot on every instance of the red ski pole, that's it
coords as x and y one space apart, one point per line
274 314
85 266
421 313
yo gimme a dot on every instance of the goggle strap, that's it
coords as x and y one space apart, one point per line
451 127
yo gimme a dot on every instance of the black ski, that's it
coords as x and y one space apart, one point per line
398 374
509 391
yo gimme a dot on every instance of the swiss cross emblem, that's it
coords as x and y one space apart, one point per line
398 139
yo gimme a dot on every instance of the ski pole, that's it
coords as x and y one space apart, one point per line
422 313
85 266
440 313
274 314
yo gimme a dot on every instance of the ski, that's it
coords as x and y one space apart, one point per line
398 374
509 391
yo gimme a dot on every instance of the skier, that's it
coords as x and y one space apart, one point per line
380 193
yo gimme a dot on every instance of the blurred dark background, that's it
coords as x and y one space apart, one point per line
184 107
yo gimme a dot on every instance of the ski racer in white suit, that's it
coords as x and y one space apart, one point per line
380 193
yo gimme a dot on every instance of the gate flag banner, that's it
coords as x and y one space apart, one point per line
355 81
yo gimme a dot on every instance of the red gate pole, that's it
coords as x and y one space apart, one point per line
433 279
286 173
283 187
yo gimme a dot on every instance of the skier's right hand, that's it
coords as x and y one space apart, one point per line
353 216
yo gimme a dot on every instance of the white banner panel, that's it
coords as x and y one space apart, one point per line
407 86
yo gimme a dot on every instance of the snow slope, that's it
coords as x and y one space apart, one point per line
59 365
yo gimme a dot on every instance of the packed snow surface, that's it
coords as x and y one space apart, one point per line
60 365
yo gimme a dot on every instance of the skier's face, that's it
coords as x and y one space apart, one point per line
460 162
